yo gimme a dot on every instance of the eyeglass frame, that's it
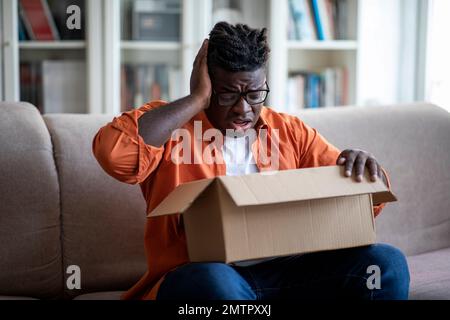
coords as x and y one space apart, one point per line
242 94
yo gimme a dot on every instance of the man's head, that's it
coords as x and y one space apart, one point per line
237 58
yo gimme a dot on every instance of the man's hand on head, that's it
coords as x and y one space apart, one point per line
355 161
200 82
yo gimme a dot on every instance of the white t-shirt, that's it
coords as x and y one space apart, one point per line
238 155
239 160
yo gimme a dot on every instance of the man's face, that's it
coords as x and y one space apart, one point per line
241 116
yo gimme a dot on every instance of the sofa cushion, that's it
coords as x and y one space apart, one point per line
30 253
412 143
16 298
107 295
103 219
430 275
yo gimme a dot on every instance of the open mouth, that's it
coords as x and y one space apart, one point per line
241 124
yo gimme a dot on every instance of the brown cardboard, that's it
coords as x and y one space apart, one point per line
234 218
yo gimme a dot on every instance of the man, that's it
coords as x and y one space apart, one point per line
228 89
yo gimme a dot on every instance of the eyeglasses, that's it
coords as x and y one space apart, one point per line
253 97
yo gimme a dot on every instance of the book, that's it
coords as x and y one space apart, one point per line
31 84
38 20
296 91
175 81
317 19
331 17
142 83
324 19
23 36
341 8
314 89
162 78
330 94
292 30
301 16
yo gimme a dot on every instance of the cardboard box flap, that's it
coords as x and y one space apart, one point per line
382 197
181 198
300 184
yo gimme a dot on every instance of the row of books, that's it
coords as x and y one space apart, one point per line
328 87
47 20
143 82
54 86
318 20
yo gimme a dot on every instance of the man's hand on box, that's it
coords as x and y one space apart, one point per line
355 161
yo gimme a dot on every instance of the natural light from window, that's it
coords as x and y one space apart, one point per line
438 56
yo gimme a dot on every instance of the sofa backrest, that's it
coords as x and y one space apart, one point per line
412 142
103 219
30 249
52 188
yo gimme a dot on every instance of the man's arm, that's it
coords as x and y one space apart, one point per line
157 125
131 146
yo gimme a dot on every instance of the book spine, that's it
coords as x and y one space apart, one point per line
324 19
316 12
293 30
50 20
38 20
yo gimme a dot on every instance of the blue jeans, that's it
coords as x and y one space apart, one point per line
337 274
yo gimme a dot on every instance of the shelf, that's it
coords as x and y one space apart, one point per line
323 45
150 45
66 44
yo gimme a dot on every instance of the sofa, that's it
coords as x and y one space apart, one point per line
59 209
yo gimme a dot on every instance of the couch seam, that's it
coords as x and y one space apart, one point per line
61 234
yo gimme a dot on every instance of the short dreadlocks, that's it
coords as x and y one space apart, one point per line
237 48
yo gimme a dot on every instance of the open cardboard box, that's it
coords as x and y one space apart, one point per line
236 218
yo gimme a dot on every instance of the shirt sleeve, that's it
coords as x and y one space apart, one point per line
122 152
314 151
312 148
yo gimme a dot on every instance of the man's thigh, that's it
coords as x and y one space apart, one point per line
205 281
335 274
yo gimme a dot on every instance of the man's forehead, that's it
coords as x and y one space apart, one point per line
227 79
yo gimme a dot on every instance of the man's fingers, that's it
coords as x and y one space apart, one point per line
350 159
360 163
379 170
342 157
201 52
340 160
373 168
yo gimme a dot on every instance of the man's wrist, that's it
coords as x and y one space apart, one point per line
201 101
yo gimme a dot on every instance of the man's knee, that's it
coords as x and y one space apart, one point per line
387 256
392 265
205 281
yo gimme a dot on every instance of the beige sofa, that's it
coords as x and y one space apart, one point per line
58 208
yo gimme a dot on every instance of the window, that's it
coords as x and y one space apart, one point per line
437 88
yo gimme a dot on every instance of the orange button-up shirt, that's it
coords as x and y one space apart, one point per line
123 154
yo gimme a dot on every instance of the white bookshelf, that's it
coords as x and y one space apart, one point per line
56 45
323 45
149 46
105 48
